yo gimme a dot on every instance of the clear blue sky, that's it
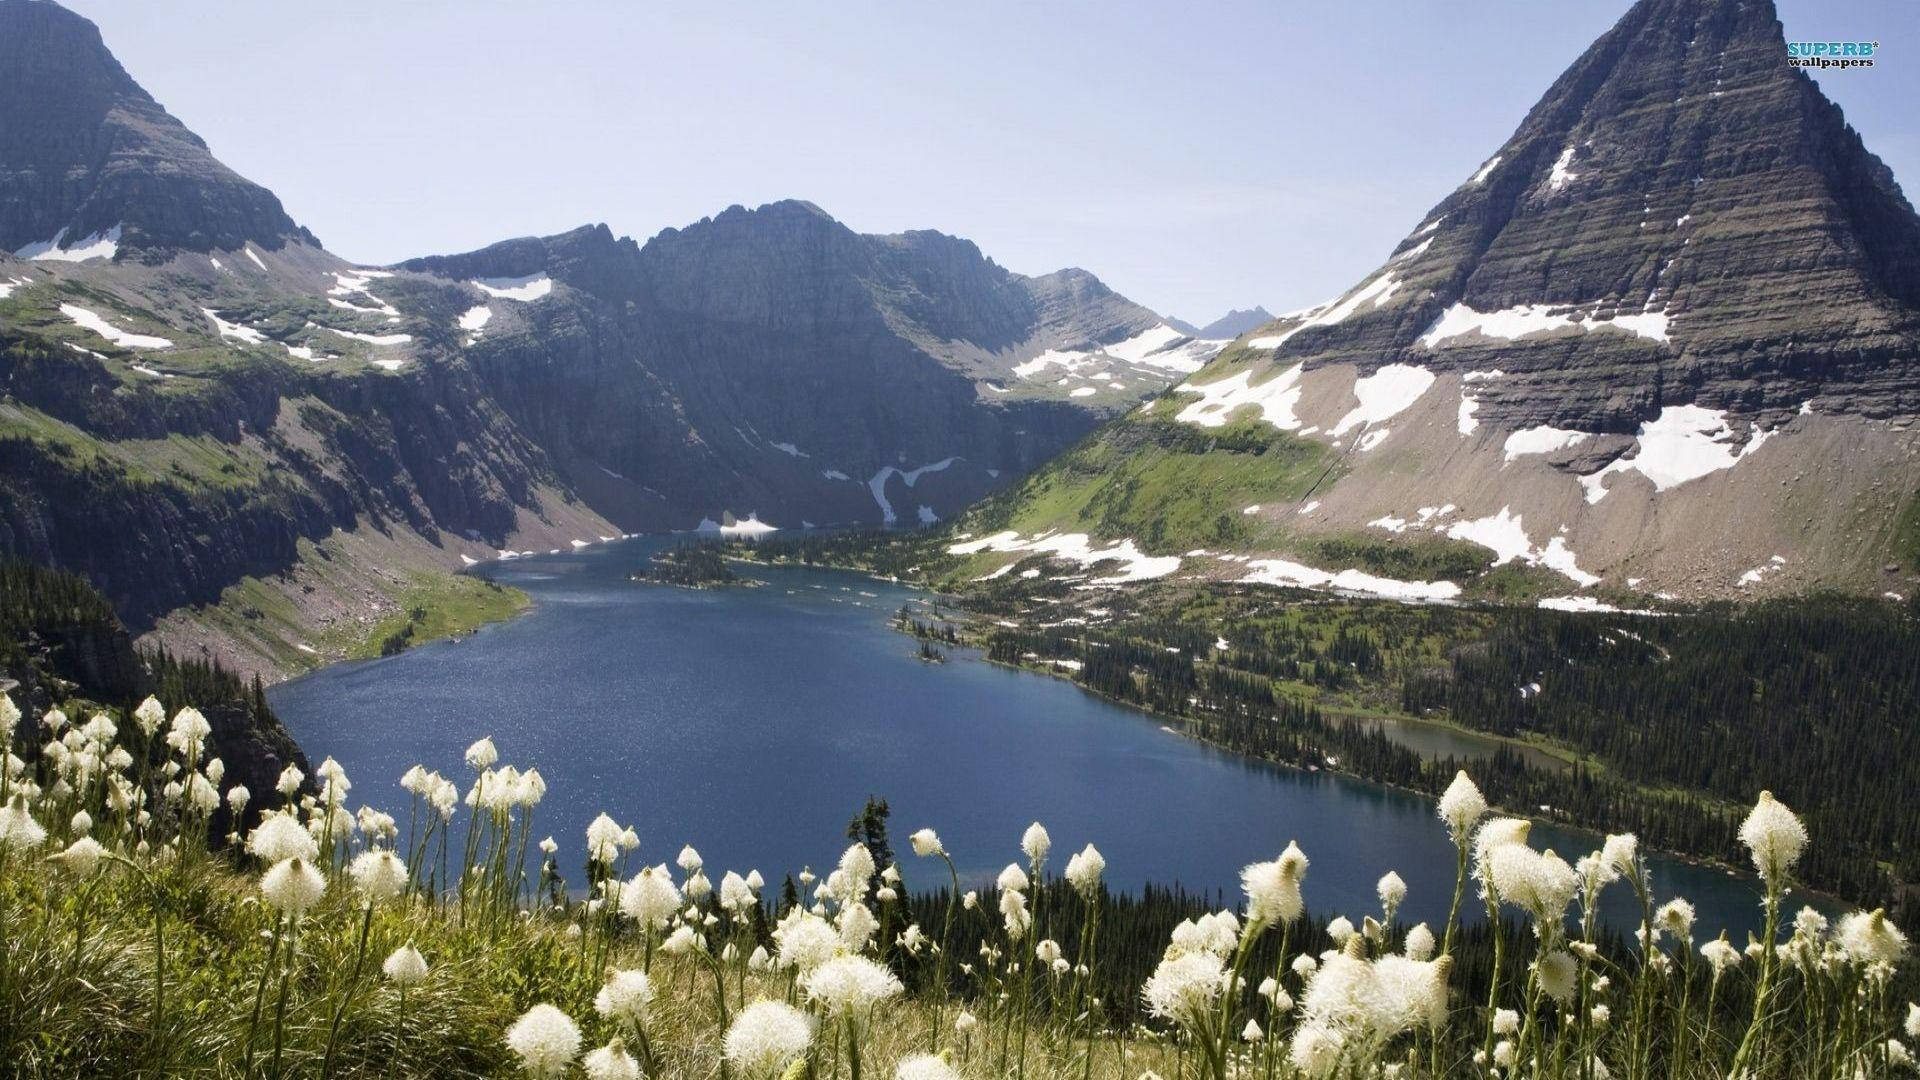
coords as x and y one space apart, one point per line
1196 156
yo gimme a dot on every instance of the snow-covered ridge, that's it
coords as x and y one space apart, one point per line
526 289
101 245
1375 293
1510 324
89 320
751 525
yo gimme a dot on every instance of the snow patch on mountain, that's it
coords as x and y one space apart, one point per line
234 330
1275 399
100 245
1543 439
89 320
1383 395
1301 576
1078 548
878 485
1685 442
525 289
1505 534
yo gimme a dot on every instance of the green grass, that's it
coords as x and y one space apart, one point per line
1168 486
438 606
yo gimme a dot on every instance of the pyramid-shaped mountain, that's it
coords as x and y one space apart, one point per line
1665 339
90 163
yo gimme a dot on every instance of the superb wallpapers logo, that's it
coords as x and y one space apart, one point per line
1832 54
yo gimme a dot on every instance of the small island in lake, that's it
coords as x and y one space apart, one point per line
692 566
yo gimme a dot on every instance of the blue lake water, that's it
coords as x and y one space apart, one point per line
753 723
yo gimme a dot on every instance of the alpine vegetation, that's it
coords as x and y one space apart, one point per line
155 921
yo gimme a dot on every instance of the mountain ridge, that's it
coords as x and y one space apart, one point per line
1661 344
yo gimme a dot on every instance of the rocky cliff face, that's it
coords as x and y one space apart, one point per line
1666 339
253 446
86 156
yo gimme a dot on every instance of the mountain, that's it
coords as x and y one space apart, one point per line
1233 324
1665 341
91 164
259 451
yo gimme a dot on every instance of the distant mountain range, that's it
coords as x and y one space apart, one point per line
253 446
1663 343
1228 326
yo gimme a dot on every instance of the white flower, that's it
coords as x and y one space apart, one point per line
1505 1022
1084 870
149 716
927 842
237 798
1316 1051
682 941
1012 879
1392 891
1913 1021
857 925
1461 806
925 1067
1273 888
611 1062
188 732
293 886
81 858
481 755
1538 881
965 1022
805 941
603 840
856 872
1868 938
290 780
545 1039
1720 955
1675 917
847 986
405 966
1409 993
625 997
278 837
650 899
1775 836
1419 945
379 874
1185 988
735 895
1035 843
1339 930
766 1036
1558 972
689 860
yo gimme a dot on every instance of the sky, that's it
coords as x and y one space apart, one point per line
1196 156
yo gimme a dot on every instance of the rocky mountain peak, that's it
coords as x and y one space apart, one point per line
89 162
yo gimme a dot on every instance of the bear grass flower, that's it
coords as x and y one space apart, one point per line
405 966
1867 938
81 858
926 843
611 1062
766 1036
1185 988
1462 806
1035 843
804 941
381 875
1720 955
1775 836
18 829
625 998
278 837
292 886
651 898
847 986
545 1040
1084 869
